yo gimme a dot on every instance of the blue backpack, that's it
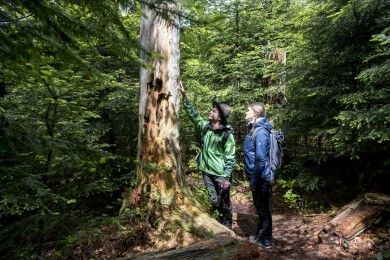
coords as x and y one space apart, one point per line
275 150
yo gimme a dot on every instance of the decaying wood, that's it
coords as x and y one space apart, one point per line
314 215
377 199
159 156
358 215
222 247
161 189
345 211
201 221
359 220
209 249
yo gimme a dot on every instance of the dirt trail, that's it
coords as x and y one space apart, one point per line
298 236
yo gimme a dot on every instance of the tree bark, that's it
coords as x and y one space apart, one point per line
358 221
220 248
377 199
158 138
161 186
356 216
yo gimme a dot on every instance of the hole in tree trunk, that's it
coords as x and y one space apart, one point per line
158 83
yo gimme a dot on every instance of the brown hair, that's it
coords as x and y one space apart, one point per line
258 108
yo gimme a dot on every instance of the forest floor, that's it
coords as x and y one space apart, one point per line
295 236
300 236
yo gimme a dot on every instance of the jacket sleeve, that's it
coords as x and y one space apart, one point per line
198 121
261 168
229 156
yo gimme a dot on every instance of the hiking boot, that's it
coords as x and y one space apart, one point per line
264 243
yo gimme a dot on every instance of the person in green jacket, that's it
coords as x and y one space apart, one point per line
216 158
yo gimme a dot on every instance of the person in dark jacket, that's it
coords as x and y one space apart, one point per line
257 169
217 155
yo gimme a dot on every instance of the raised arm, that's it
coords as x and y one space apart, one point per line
192 112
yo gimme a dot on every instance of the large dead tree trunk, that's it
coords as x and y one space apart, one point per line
161 186
158 138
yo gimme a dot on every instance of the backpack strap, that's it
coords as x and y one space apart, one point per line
254 133
225 137
204 131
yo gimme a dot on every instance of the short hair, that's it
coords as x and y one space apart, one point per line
258 108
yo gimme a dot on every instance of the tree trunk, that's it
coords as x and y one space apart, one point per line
161 186
158 138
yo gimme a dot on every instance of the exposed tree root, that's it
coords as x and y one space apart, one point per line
201 220
181 224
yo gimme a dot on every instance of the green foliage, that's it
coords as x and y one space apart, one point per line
328 75
199 190
330 98
69 94
68 107
292 199
226 59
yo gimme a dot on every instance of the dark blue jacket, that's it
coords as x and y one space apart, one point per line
256 152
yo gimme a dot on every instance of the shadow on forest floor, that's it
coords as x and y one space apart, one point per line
297 236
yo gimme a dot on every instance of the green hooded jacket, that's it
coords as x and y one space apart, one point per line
215 158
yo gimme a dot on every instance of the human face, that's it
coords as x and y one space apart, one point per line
214 115
250 114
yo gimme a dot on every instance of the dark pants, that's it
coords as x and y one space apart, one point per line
219 199
261 199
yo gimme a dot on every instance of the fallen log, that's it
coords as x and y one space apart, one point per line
358 215
377 199
345 211
358 221
222 247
